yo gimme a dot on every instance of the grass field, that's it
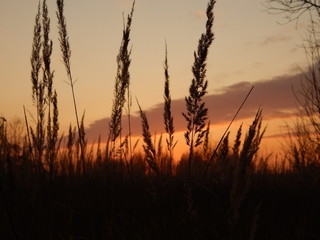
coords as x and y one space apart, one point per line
59 187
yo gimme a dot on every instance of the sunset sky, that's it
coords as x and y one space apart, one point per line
250 48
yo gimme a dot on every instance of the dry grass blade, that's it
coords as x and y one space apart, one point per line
167 114
66 56
223 150
52 100
38 93
122 84
148 147
36 55
234 117
237 143
197 113
64 38
206 141
47 51
241 181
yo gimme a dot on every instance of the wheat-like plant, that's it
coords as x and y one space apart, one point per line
122 85
206 141
38 89
223 150
241 181
237 143
66 57
52 100
167 114
224 134
44 139
197 113
70 149
148 146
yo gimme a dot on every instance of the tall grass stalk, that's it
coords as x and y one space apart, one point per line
66 57
30 152
161 158
241 181
224 148
70 149
3 144
148 146
237 143
46 53
122 86
206 141
197 113
226 131
44 139
167 115
51 98
38 97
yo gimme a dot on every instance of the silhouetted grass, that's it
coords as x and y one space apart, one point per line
106 203
167 114
45 195
197 113
66 57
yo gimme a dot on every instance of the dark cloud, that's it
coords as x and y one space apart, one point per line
275 39
257 64
274 96
273 136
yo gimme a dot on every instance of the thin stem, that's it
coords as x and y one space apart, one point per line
226 131
28 133
66 55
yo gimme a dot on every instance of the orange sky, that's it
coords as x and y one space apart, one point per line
275 96
250 48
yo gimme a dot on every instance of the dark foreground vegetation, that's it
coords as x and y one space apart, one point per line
55 187
239 197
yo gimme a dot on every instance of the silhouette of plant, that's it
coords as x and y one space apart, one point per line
167 114
197 113
38 97
244 169
66 57
304 145
122 86
43 96
148 147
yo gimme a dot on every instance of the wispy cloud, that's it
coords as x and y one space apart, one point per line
276 136
275 96
257 64
275 39
200 14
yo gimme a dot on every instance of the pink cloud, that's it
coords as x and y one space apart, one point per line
275 96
